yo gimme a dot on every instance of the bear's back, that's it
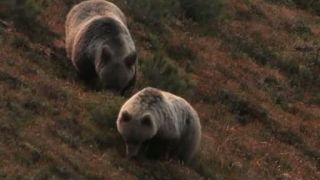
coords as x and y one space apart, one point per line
86 10
81 15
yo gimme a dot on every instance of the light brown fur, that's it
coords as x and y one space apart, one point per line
159 123
100 45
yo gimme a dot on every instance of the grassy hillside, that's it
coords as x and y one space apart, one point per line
250 68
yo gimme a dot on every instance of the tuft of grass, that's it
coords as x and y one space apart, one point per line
28 154
202 10
147 169
68 130
15 113
54 171
315 99
301 76
311 5
154 12
25 16
11 80
154 41
105 114
301 28
253 12
248 45
215 169
313 154
181 52
205 169
289 137
108 139
272 81
226 71
52 92
244 110
20 42
35 105
161 73
280 162
183 55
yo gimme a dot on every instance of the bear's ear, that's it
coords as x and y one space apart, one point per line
125 117
131 59
146 121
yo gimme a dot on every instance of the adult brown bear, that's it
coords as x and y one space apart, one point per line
159 124
100 45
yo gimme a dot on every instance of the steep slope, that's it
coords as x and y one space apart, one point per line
252 74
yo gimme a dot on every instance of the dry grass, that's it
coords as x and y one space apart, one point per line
260 116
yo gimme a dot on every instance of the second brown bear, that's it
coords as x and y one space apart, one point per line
100 45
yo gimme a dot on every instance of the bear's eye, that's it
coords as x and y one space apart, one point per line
146 121
131 59
125 116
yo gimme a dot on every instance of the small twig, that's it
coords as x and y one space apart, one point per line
4 23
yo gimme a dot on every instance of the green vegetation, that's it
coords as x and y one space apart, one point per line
252 77
20 42
311 5
157 11
181 52
153 13
301 75
162 73
202 10
184 56
25 16
315 99
301 28
105 114
243 110
211 169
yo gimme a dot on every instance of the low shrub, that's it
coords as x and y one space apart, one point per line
25 16
201 10
301 28
311 5
301 74
105 114
155 11
162 73
20 42
152 12
244 110
184 56
180 52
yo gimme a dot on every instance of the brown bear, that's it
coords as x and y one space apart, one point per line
100 45
158 124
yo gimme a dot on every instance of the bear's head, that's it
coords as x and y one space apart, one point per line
116 58
135 130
